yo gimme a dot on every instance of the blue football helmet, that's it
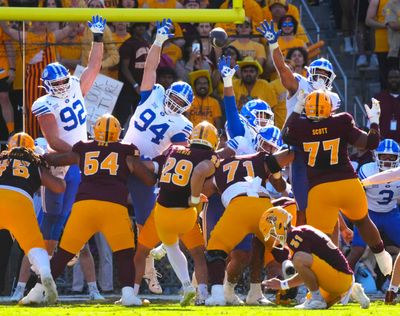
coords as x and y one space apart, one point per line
317 79
55 79
268 139
258 113
387 147
178 98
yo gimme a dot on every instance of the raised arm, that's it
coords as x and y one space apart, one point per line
370 18
234 123
201 172
140 170
287 78
370 140
14 34
383 177
88 76
62 159
153 57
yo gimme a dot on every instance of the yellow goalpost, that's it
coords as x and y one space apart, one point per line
234 15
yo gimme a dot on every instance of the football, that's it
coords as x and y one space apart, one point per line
218 37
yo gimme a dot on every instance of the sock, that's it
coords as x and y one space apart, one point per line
92 286
21 285
39 258
149 268
229 288
392 287
10 127
203 290
178 262
316 295
136 288
255 289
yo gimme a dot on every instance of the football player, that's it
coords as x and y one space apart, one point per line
320 75
157 123
241 182
319 264
100 204
382 198
61 114
22 172
333 184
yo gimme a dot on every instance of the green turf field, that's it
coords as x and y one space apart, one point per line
377 308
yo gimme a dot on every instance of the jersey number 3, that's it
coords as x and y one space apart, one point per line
147 117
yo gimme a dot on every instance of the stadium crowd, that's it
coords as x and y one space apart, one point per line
236 155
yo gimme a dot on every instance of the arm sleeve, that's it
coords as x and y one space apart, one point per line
234 124
39 109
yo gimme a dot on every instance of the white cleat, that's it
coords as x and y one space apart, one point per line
18 294
35 296
358 295
217 297
188 294
385 262
258 300
50 289
128 298
96 296
312 304
151 278
158 253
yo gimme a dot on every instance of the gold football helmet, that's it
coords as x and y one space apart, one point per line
21 140
318 105
274 223
107 129
205 134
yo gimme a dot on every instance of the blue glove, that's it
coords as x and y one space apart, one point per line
163 32
269 33
97 25
227 73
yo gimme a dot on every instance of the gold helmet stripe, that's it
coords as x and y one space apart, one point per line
317 104
19 140
107 129
201 132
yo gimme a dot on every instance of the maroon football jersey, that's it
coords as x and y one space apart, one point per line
235 169
324 144
310 240
104 170
175 176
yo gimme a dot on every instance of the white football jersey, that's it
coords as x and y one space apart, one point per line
70 113
151 129
246 144
305 86
382 198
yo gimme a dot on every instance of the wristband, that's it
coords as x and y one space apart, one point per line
97 37
285 285
194 200
273 46
158 43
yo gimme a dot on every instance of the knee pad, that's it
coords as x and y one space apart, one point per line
214 255
52 226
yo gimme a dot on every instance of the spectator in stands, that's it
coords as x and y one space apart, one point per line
250 87
120 35
347 25
389 121
246 45
189 30
166 76
160 4
288 25
204 30
52 26
204 107
192 59
299 59
111 56
280 111
133 53
39 51
128 4
7 76
173 51
70 49
391 12
376 20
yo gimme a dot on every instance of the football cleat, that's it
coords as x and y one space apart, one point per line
50 289
188 294
158 253
390 298
151 276
128 298
96 296
257 300
358 295
18 294
311 303
217 297
385 262
35 296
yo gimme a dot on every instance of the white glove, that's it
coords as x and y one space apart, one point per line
97 24
374 112
163 32
226 71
